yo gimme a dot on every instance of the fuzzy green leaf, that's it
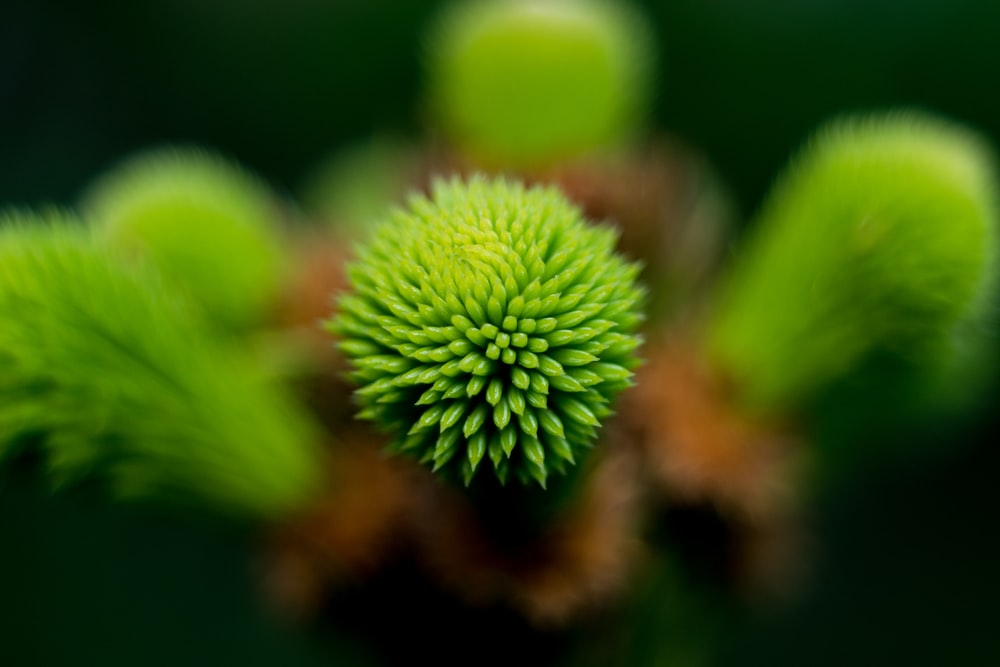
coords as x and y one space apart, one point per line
879 239
118 379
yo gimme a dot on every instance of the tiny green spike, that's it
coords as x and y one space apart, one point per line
468 471
452 415
430 417
477 448
538 345
463 361
538 472
358 348
413 441
539 383
469 363
586 378
493 309
611 372
494 392
461 347
429 397
550 421
503 471
516 400
508 440
537 400
475 385
559 465
495 450
546 325
475 311
462 323
549 366
484 368
445 448
520 378
567 383
570 357
562 449
450 437
578 411
527 359
456 390
528 422
428 456
534 451
442 384
501 413
561 337
571 319
475 421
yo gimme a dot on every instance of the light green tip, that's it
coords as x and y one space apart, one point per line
880 238
207 224
524 83
109 373
490 321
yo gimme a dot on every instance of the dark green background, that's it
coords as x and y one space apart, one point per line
906 559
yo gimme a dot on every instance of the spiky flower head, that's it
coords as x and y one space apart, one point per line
490 321
527 82
205 222
114 378
881 238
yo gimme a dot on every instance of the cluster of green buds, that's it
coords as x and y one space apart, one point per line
490 320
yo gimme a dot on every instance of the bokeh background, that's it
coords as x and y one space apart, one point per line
905 562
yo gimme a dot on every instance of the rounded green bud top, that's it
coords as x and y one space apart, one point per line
490 321
525 83
112 377
208 226
881 238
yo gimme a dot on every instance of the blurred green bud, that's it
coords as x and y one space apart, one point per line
490 321
113 377
352 188
879 240
205 223
524 83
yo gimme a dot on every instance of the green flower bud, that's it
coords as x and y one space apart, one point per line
115 378
880 239
352 187
490 321
207 225
525 82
